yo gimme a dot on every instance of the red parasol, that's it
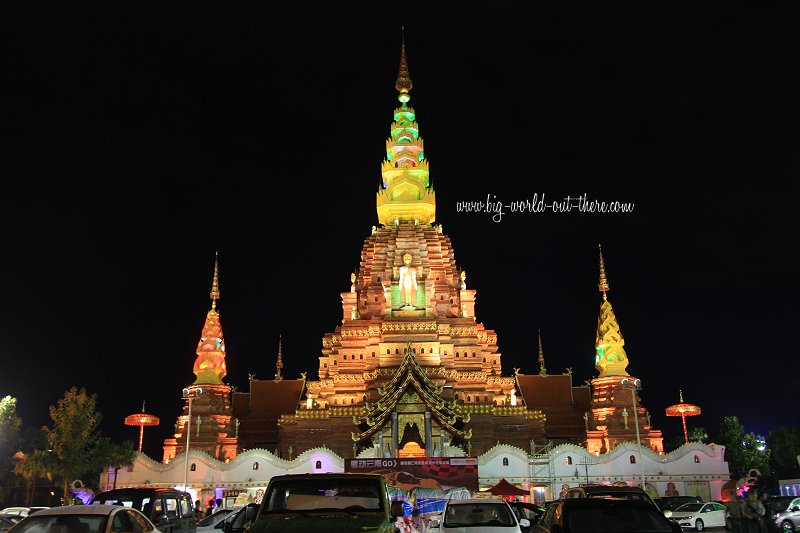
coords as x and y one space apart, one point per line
683 410
141 419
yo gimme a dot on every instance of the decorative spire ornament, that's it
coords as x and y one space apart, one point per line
215 282
542 369
279 362
403 83
603 285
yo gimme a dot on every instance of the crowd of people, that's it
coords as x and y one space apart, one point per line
211 507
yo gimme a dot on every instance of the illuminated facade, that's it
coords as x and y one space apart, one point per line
410 371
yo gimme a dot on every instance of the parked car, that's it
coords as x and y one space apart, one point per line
699 516
529 511
21 511
478 516
783 512
589 515
611 491
169 509
340 503
670 503
86 519
6 523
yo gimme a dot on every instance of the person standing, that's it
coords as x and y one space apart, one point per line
198 509
752 513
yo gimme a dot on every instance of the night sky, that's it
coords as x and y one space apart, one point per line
138 142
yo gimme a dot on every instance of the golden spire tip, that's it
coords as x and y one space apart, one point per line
403 83
215 282
279 362
603 285
542 369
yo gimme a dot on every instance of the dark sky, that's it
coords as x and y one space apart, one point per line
138 141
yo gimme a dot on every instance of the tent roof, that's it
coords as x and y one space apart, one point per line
504 488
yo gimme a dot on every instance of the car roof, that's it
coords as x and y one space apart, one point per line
140 490
469 502
606 502
607 488
328 476
102 510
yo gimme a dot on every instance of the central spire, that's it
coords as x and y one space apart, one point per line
405 195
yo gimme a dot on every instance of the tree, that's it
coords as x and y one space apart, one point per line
32 467
108 454
698 434
9 436
74 435
784 444
743 451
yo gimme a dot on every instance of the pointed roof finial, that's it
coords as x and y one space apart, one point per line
603 285
279 362
403 83
542 369
215 282
680 392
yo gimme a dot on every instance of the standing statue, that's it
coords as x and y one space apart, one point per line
408 281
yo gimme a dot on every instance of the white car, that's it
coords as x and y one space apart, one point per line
86 519
698 515
477 516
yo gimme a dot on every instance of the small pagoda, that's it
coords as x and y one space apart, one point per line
211 424
611 420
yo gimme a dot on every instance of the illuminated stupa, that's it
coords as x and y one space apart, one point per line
612 410
410 370
211 425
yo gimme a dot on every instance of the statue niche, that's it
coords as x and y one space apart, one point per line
408 283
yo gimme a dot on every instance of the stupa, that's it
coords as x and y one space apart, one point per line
612 410
211 425
410 371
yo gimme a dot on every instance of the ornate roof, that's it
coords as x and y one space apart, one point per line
410 375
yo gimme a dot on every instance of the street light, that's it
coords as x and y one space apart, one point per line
634 385
189 394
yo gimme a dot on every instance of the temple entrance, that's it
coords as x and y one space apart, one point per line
412 449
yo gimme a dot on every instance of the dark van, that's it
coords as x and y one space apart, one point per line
170 510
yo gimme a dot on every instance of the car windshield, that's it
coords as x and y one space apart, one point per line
587 519
478 514
356 494
62 524
210 520
689 508
778 504
126 501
